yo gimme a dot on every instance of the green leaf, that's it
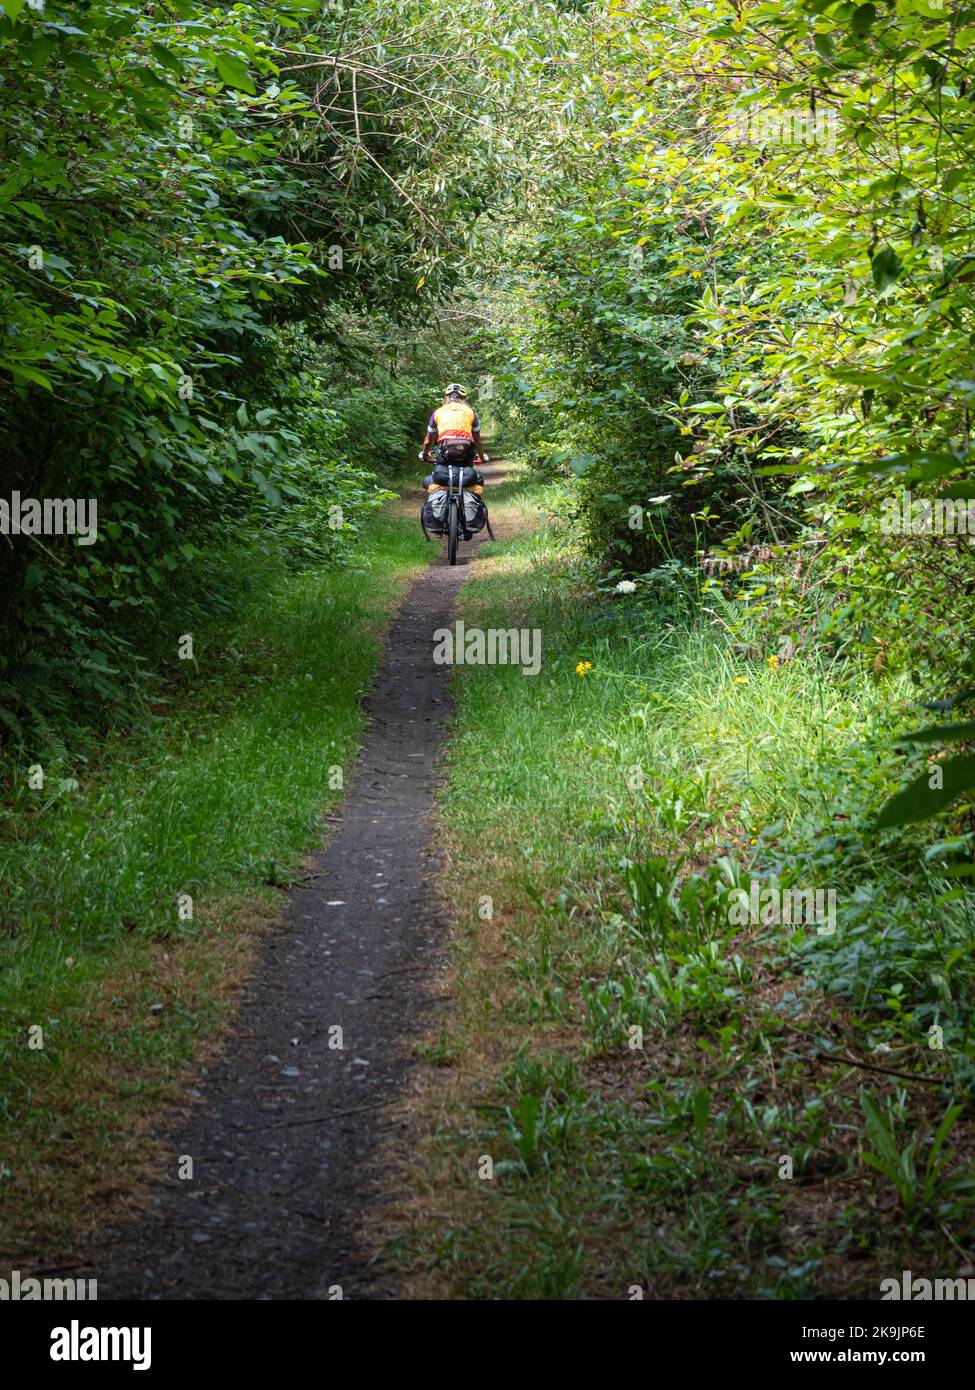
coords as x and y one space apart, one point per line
84 64
701 1103
21 372
879 1133
150 123
886 266
233 73
150 78
863 18
919 800
504 51
166 59
941 733
941 1134
581 463
271 494
40 50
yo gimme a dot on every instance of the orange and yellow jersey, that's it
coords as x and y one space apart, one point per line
455 420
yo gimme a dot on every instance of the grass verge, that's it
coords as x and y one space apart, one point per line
638 1094
133 886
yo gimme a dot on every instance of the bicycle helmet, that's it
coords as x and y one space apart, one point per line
455 389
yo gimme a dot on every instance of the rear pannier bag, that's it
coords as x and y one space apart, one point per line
475 512
434 513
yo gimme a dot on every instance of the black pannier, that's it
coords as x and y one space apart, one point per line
433 516
475 512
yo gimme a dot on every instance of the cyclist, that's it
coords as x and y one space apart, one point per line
454 426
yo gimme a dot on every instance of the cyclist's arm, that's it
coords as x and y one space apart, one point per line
429 437
476 436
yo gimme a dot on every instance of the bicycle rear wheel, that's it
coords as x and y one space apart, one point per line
453 506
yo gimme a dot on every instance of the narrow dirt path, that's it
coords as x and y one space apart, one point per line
283 1137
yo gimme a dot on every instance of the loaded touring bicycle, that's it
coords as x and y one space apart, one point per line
452 508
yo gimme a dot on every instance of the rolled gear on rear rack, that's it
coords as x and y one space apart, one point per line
466 476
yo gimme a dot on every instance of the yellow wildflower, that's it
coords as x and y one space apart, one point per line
583 668
741 680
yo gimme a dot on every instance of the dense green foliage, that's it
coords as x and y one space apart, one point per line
755 323
745 332
208 273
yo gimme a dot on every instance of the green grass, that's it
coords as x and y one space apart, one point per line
606 816
216 801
